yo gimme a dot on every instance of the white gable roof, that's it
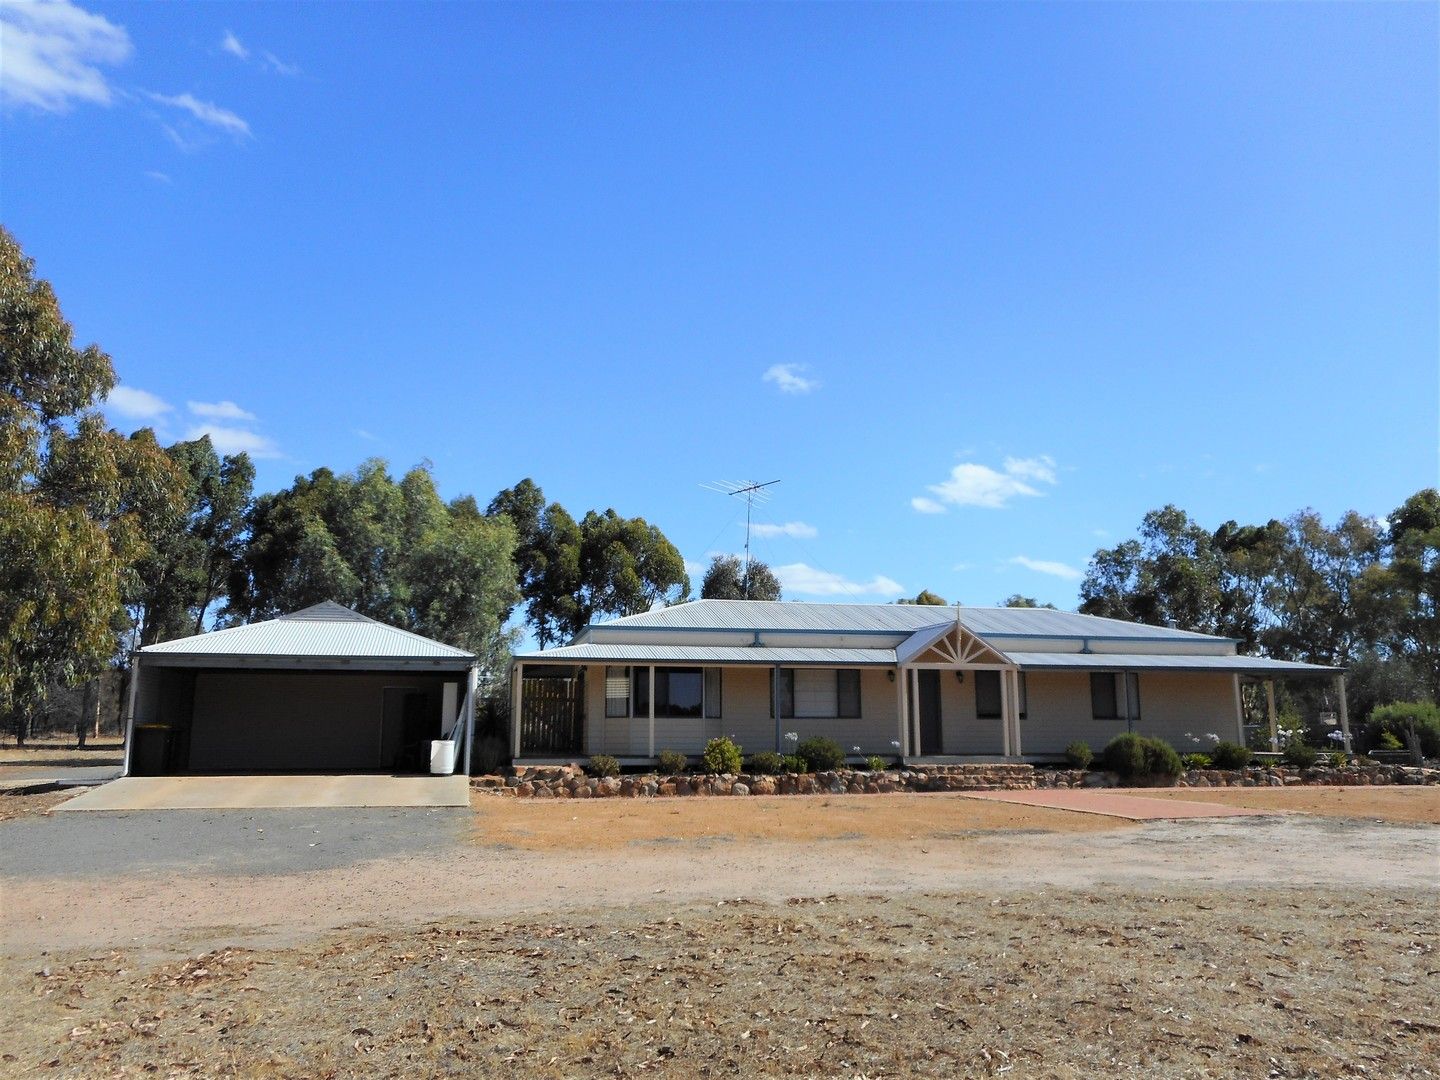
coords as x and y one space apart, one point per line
325 631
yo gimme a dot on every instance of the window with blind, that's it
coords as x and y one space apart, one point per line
617 691
818 693
1103 700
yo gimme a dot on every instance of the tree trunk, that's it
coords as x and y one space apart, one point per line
89 710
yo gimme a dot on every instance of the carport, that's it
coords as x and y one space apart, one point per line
322 690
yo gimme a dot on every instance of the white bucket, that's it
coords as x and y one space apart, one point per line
442 757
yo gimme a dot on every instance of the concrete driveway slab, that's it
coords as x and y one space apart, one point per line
1113 804
272 792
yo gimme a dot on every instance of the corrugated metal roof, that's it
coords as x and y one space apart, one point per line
325 630
709 654
1257 665
896 618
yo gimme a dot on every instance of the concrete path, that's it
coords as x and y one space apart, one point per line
1111 804
272 792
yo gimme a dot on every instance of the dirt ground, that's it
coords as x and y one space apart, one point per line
1260 983
17 806
861 937
1414 804
610 823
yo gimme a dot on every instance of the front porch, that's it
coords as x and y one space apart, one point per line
949 699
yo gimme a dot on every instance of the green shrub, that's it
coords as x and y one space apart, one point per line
1195 761
1395 720
1079 755
603 765
1300 755
1229 755
820 754
721 755
1125 755
1388 741
1132 755
793 763
672 762
1338 760
765 763
876 764
1161 759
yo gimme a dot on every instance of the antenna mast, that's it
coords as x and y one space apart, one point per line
752 492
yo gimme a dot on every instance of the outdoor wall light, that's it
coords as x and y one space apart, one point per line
890 675
959 675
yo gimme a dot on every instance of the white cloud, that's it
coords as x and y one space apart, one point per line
361 433
796 529
219 410
788 378
980 485
695 569
51 53
280 67
158 177
808 581
233 440
136 404
204 111
232 45
1046 566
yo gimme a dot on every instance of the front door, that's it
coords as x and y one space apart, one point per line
929 712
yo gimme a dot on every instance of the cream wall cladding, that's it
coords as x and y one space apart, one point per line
745 717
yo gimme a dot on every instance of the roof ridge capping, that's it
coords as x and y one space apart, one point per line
330 610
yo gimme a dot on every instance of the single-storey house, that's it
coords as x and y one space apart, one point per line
321 690
896 680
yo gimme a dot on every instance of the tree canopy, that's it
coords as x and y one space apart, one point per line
570 573
79 504
392 550
727 579
925 596
1360 593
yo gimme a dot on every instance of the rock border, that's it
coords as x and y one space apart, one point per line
571 781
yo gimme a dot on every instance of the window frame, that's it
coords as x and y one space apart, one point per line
1114 713
987 675
609 668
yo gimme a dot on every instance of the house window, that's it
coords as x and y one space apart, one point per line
818 693
784 681
679 692
1132 695
847 693
1103 704
617 691
987 695
640 691
713 694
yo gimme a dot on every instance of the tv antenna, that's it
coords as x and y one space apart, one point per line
752 492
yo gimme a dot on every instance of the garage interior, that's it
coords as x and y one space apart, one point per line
371 698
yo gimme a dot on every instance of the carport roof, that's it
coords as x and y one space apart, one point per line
326 631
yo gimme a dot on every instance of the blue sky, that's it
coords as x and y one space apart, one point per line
979 284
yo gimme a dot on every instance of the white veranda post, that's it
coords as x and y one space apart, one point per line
903 709
1344 710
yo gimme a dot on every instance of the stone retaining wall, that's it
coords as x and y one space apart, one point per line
570 782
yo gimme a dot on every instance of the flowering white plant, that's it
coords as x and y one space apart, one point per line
790 736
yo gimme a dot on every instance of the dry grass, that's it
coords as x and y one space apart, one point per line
1403 804
18 806
597 824
1249 984
62 751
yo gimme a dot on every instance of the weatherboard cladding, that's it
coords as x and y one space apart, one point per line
326 630
778 615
